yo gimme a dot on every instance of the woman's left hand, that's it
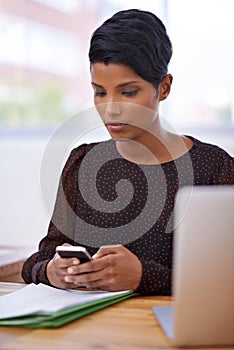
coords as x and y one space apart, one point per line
113 268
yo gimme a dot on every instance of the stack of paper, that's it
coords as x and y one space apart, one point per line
40 306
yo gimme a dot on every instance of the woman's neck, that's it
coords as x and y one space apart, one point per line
157 147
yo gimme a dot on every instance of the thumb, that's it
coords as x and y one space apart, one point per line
106 250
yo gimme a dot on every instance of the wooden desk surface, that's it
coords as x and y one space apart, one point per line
127 325
11 262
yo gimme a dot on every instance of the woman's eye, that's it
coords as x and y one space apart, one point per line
130 93
100 93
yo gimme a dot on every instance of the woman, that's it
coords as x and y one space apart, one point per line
129 54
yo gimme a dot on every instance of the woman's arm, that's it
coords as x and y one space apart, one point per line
115 267
34 269
62 224
156 278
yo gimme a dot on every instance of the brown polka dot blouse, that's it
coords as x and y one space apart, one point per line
104 199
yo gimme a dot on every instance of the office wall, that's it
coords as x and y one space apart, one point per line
23 218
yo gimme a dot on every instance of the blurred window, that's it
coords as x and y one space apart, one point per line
45 71
202 33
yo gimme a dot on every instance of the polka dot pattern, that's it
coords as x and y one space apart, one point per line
151 239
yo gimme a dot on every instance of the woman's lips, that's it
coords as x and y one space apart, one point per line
116 126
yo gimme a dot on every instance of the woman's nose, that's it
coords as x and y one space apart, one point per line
114 108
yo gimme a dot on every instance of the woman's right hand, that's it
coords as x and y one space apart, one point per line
57 270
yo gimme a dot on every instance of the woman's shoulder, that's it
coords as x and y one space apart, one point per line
206 149
211 159
86 147
81 150
78 153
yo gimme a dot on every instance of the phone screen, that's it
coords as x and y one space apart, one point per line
71 252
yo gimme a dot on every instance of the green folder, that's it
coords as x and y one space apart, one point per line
60 317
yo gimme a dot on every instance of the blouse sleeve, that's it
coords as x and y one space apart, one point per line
156 278
62 225
232 170
224 170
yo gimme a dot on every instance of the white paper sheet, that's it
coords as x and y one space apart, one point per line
44 299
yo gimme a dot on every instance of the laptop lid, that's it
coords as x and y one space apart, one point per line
203 268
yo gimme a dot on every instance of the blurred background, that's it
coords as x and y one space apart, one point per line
45 79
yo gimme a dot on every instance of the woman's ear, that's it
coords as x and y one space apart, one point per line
165 87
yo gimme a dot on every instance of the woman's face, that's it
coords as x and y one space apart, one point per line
127 104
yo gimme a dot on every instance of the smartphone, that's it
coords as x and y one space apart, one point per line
66 251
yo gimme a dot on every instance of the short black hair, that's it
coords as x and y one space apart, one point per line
136 38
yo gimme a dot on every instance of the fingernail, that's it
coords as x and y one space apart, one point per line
70 270
67 279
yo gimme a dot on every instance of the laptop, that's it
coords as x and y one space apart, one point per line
203 269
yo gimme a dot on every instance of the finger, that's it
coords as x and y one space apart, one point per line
91 266
101 285
85 279
108 249
67 285
65 262
56 275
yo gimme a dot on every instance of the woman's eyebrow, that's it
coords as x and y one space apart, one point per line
120 85
97 85
128 83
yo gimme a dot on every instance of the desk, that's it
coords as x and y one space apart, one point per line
11 262
127 325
